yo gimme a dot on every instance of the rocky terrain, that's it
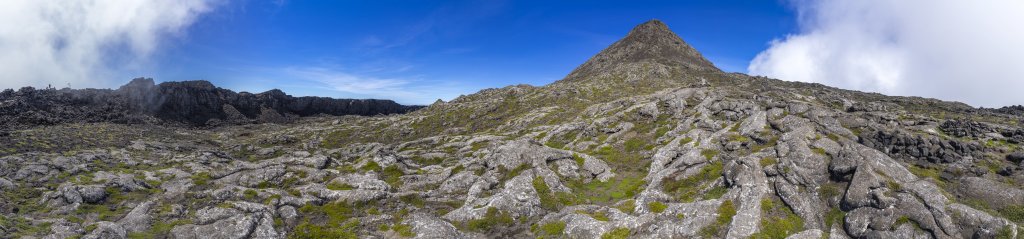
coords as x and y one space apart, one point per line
191 103
646 140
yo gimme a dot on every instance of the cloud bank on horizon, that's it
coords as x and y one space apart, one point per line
968 51
85 43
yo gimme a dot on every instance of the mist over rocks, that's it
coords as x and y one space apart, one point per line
193 103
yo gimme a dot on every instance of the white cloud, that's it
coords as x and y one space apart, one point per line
969 51
85 42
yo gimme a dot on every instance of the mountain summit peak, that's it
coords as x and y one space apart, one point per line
651 41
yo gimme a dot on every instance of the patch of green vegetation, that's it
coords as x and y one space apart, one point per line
413 199
768 161
476 146
771 143
613 190
457 169
1005 233
556 228
834 216
493 219
579 159
709 153
685 140
392 175
829 190
778 221
420 160
833 137
687 189
339 186
548 200
201 178
555 144
891 184
330 220
20 227
715 193
617 233
250 194
656 206
735 127
371 166
904 220
739 138
509 174
627 206
598 215
634 144
159 229
931 173
661 131
819 151
404 230
1013 213
717 228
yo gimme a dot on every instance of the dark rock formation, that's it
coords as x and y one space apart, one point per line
194 103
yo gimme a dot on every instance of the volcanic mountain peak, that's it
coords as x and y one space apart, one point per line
652 42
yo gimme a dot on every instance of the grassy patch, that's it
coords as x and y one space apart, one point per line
327 221
553 228
834 216
717 228
617 233
687 189
829 190
599 215
778 221
392 175
818 151
339 186
627 206
709 153
404 230
579 159
768 161
656 206
1013 213
493 219
201 178
613 190
715 193
548 200
685 140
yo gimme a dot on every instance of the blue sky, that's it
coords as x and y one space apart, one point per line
418 51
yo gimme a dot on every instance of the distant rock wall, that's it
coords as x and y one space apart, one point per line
196 103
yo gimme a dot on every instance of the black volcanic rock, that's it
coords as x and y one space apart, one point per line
194 103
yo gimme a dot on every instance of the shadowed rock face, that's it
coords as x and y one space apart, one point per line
196 103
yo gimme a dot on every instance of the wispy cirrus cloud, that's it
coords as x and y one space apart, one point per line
409 89
348 82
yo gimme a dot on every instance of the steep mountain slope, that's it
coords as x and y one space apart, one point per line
196 103
646 140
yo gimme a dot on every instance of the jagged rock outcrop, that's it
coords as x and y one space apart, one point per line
188 102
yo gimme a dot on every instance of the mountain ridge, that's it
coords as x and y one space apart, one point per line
193 103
